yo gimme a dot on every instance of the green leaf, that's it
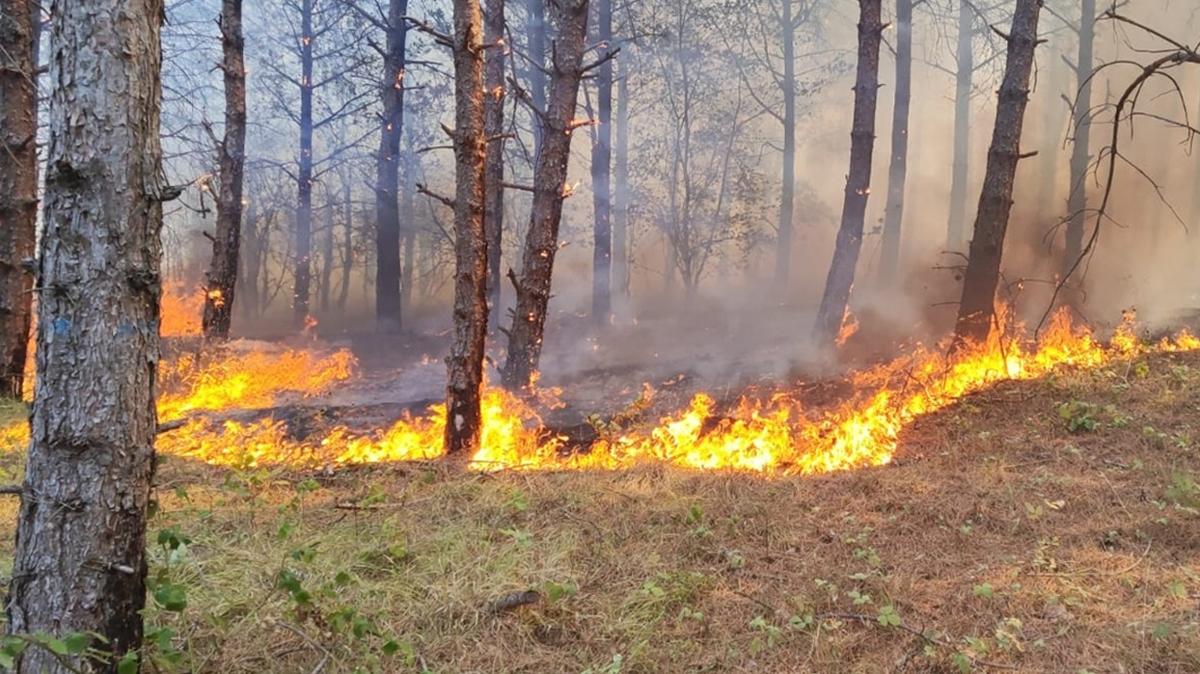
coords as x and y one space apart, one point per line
171 597
983 590
128 663
77 642
888 616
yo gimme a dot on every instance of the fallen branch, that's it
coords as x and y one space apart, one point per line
513 601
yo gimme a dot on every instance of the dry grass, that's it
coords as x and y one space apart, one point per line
1010 542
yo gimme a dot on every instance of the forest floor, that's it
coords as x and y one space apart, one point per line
1039 526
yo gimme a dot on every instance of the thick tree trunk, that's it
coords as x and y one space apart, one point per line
387 172
893 220
19 32
1081 144
787 202
226 245
302 276
956 234
602 249
550 188
535 28
858 184
620 240
493 112
80 560
983 265
465 364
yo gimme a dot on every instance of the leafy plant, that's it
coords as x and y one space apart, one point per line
1080 416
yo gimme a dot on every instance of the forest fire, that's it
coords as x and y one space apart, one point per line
778 435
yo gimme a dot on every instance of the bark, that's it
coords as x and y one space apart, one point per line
956 231
535 27
620 223
550 188
1080 146
80 559
858 188
465 364
226 245
602 249
302 275
787 202
983 265
493 112
893 219
19 32
387 172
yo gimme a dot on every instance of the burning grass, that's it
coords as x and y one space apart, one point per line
1043 526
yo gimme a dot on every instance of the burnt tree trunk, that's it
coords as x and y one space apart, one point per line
956 234
226 245
620 221
858 188
80 559
493 112
464 379
19 32
387 172
983 265
302 275
787 201
602 249
893 219
550 188
1081 143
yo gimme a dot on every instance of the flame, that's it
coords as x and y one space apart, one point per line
180 310
849 328
773 433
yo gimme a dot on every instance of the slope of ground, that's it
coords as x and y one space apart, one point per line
1045 526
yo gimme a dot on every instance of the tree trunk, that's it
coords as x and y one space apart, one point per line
535 27
327 252
550 188
602 249
493 112
410 230
620 241
983 265
226 245
387 172
898 170
19 33
302 277
80 559
956 234
249 299
858 188
787 202
1080 146
465 364
347 243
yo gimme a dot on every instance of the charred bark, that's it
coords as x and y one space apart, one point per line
550 188
956 230
302 274
1081 143
80 560
226 245
493 112
858 184
893 219
464 379
602 249
983 265
387 172
19 32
